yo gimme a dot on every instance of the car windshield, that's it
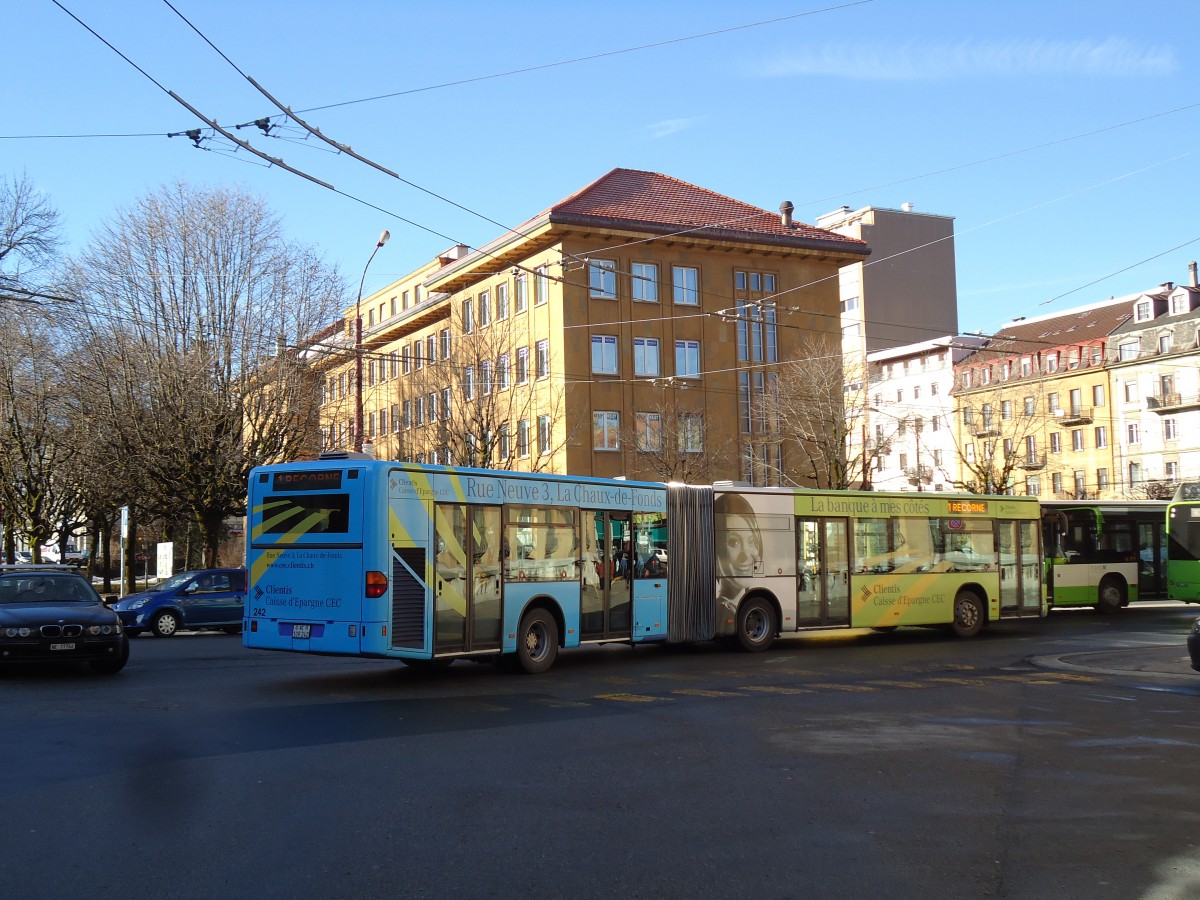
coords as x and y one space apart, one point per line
173 582
38 587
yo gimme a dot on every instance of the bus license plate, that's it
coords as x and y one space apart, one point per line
301 631
62 646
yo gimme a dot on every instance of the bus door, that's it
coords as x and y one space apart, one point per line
467 596
1152 559
606 583
822 572
1020 567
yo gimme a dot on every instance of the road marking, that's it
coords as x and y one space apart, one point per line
701 692
770 689
630 698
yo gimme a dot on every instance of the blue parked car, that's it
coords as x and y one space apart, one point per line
208 598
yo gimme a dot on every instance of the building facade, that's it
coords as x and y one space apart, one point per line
632 329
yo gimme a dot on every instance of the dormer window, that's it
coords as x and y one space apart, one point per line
1143 311
985 375
1026 366
1051 362
1179 303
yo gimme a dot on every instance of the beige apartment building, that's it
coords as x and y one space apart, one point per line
632 329
1034 408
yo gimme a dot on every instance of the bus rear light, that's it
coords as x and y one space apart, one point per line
353 631
253 625
377 584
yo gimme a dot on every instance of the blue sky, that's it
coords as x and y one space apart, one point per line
1066 146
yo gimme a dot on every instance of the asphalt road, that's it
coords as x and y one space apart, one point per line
1043 759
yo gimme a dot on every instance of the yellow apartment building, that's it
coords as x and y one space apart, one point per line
632 329
1033 408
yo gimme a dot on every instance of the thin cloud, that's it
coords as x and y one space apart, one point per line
1113 58
668 127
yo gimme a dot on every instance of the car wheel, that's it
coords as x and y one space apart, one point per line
968 614
166 624
114 665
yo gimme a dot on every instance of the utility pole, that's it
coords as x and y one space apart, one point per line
358 349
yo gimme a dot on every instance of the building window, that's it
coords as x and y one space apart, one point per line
446 410
645 357
445 343
1080 483
985 375
1102 479
1130 391
604 354
1131 433
502 300
485 378
407 414
523 438
395 418
406 360
1164 343
645 282
1051 362
1170 430
1026 366
1055 442
541 286
966 378
505 443
606 428
1006 409
1097 395
1179 304
686 283
419 411
543 359
485 308
521 301
522 365
431 402
502 372
691 433
602 279
1101 435
1171 470
469 383
1030 406
1128 350
903 460
1077 439
1056 482
468 316
649 431
1135 474
418 355
1142 311
543 435
687 359
849 304
1033 486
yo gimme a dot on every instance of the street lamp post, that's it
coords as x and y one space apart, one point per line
358 348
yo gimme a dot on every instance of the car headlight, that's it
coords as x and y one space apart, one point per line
1196 627
104 629
18 632
138 604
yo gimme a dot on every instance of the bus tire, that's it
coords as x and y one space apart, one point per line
1110 595
537 642
969 614
884 629
756 625
166 623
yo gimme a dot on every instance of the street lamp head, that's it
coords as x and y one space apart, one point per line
384 237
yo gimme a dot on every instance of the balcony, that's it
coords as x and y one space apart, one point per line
1033 462
985 429
1161 403
1076 415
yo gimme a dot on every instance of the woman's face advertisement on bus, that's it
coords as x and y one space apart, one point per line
739 545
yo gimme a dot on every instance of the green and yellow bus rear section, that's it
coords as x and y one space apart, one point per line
1183 550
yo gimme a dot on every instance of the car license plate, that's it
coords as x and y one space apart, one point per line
62 646
301 631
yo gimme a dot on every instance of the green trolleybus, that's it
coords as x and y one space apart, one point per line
1183 544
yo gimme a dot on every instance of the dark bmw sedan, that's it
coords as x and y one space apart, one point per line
1194 645
53 614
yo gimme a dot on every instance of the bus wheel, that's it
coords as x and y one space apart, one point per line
537 641
1111 595
884 629
968 614
756 628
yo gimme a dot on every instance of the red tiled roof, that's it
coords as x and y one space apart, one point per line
651 199
1075 327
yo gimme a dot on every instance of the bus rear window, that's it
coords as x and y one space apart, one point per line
306 514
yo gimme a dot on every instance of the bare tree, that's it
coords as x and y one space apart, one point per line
192 299
484 405
992 437
671 441
29 234
819 404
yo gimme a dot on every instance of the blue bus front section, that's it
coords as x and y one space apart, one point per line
305 528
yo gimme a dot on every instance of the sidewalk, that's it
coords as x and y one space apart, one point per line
1167 660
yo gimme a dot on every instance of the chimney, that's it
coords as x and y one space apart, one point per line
1192 269
785 213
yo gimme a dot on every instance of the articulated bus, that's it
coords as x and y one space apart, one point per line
1183 544
427 564
1104 554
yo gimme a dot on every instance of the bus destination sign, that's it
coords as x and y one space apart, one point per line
967 506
